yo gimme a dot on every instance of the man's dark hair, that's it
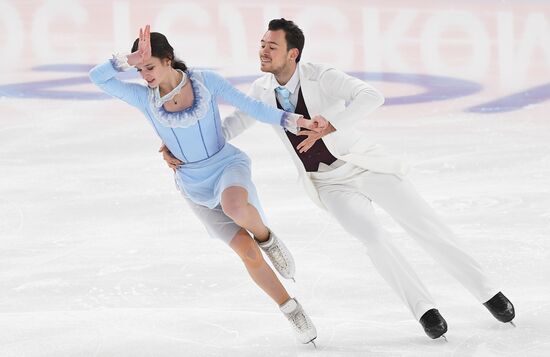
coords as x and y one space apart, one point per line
293 34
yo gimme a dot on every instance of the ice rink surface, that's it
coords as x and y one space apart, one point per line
100 256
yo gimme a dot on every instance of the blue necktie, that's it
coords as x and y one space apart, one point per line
284 93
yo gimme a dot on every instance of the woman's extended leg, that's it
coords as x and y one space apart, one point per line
259 270
235 205
220 225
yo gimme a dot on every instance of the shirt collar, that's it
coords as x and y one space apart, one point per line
293 82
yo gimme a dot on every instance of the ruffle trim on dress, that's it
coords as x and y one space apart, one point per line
189 116
120 62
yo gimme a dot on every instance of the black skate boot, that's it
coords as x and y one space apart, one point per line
434 324
501 308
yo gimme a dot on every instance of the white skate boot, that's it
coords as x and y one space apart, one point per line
279 255
300 321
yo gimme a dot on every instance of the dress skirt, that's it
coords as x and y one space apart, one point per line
203 182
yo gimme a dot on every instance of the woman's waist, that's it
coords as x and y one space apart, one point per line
194 152
221 157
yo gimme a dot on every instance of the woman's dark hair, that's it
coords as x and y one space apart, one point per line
293 34
160 48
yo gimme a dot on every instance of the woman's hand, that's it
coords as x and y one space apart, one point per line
143 53
317 124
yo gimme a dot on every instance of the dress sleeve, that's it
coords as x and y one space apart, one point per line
261 111
103 76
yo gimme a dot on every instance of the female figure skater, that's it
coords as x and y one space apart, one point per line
181 105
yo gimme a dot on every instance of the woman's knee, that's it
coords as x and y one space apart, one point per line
235 209
234 203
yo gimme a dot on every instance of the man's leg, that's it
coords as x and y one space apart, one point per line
399 198
355 214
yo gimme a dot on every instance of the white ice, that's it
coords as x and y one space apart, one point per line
100 256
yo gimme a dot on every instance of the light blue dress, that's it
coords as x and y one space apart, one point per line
194 135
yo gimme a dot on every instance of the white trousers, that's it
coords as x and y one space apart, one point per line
348 192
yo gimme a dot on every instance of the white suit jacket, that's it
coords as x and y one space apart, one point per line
344 101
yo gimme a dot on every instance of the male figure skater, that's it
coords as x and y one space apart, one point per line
344 174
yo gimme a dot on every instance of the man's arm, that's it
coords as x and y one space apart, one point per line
361 99
172 161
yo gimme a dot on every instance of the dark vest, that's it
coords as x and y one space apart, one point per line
318 152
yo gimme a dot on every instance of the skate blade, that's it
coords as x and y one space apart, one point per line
313 343
294 280
445 338
512 323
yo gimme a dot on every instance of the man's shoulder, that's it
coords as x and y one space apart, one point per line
308 70
313 71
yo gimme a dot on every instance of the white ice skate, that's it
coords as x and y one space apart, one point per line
300 321
279 255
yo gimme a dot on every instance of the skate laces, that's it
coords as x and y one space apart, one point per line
299 320
276 252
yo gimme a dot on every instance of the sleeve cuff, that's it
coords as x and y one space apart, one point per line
289 121
120 62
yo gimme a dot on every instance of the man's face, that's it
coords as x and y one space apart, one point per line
274 57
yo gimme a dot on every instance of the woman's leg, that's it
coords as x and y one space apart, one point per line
219 225
234 202
235 205
261 273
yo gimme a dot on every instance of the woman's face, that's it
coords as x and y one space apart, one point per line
154 70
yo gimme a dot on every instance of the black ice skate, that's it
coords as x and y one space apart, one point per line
434 324
501 308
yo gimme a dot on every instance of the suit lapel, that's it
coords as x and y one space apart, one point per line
310 91
313 101
268 95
